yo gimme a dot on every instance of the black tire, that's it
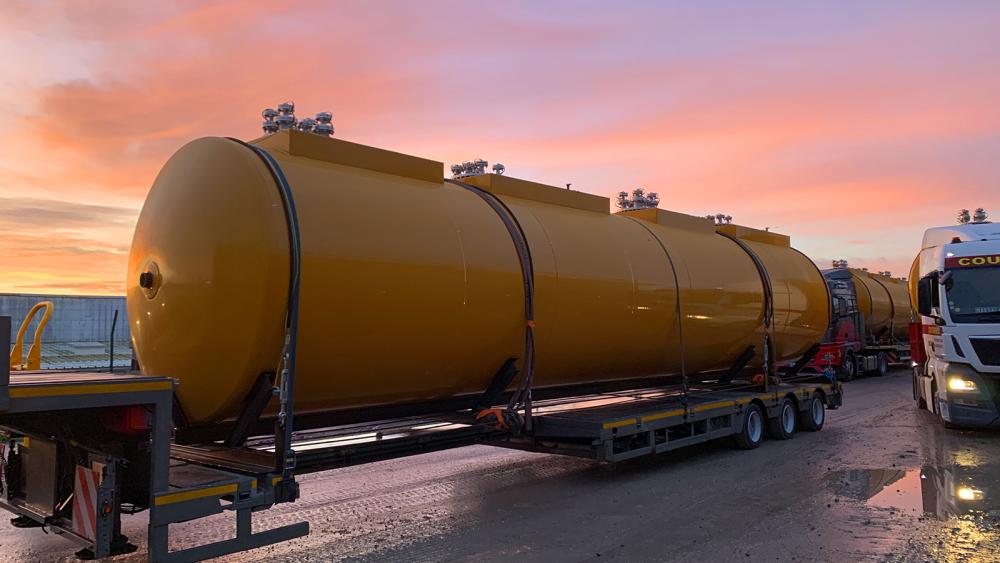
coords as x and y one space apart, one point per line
848 367
813 418
783 426
752 432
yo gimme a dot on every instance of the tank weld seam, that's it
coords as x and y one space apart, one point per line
522 397
678 314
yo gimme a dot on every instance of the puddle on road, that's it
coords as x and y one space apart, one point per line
943 493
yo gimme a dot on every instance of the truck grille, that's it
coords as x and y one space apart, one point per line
988 350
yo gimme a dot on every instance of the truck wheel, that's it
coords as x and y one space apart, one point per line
752 433
848 367
782 427
881 364
814 416
918 392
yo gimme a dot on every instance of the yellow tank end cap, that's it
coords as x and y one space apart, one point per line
513 187
337 151
755 235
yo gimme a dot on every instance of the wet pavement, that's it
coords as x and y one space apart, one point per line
882 482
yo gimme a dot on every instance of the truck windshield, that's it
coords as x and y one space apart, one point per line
974 295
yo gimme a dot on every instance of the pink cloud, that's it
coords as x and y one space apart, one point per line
851 139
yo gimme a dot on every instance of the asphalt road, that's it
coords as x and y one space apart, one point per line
881 482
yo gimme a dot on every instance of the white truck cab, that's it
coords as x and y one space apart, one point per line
956 282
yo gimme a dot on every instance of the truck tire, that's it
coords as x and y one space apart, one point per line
848 367
814 416
782 427
751 434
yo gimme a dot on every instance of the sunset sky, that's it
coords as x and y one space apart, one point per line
851 128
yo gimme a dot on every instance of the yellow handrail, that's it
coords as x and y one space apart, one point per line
34 360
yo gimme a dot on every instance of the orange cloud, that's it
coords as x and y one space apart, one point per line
851 138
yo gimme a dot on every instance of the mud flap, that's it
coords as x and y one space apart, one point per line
942 408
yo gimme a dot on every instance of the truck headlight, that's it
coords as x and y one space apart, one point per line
969 493
961 384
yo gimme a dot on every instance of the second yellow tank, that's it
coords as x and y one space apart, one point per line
885 303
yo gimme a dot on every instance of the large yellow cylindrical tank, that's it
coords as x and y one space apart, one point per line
899 292
411 288
885 303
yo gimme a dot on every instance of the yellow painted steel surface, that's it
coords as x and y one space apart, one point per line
911 286
899 292
884 302
411 287
801 305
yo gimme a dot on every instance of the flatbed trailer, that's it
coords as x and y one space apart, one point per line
58 475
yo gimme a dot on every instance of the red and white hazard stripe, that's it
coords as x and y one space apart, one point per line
85 487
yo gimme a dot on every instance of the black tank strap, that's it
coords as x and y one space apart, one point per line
677 311
523 396
284 425
768 303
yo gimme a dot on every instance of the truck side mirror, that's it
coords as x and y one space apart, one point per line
926 293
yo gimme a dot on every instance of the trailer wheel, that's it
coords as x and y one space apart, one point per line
848 366
814 416
782 427
881 364
752 433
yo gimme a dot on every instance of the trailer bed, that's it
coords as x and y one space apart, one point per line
188 482
647 425
607 427
39 391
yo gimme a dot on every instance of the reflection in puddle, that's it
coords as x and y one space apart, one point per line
940 492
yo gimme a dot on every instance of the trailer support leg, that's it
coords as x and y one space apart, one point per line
159 477
740 363
501 380
253 406
794 370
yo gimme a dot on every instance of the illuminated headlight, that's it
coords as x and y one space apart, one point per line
960 384
969 493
